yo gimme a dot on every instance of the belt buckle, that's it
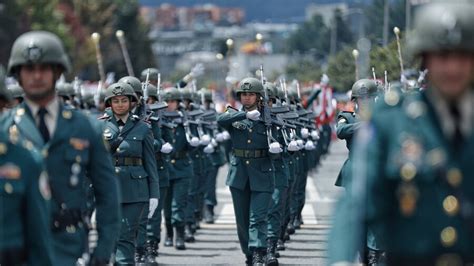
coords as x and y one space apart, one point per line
246 153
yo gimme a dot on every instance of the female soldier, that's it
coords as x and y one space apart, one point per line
131 145
250 177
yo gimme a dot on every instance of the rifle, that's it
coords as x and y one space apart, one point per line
267 119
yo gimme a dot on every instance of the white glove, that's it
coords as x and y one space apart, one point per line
309 145
253 115
152 207
314 134
214 142
226 135
209 148
166 148
304 133
293 146
197 70
300 143
275 147
325 80
194 141
220 137
206 139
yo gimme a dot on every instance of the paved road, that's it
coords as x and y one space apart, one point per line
217 244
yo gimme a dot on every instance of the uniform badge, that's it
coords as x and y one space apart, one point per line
79 144
107 133
341 121
239 125
3 148
14 134
44 186
67 114
20 111
10 171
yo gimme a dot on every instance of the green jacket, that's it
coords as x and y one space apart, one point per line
347 125
181 166
247 135
139 182
25 206
410 185
75 144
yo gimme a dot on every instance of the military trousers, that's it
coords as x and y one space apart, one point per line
175 202
150 229
210 193
251 210
276 212
299 194
69 246
132 214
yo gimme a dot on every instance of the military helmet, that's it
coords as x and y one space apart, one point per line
38 47
119 89
65 89
186 94
364 88
170 94
16 91
88 98
4 93
153 74
271 90
250 85
207 94
443 26
152 90
133 82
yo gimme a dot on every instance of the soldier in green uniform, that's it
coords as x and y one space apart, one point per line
181 170
251 174
412 174
70 146
131 144
25 235
348 122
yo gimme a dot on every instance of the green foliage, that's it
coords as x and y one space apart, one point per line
341 70
312 36
304 70
374 14
386 58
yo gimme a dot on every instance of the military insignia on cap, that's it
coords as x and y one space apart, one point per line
246 86
67 114
79 144
10 171
118 90
43 185
33 53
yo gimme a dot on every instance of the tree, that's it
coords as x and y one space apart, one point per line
374 14
341 70
304 70
312 36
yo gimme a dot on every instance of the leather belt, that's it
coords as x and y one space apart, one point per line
128 161
180 155
67 220
250 153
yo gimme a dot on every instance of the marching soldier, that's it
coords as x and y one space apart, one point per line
70 147
251 174
348 122
412 173
131 144
181 170
25 237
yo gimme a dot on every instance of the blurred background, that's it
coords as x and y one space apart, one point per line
300 39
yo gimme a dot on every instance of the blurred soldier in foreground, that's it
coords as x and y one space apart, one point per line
70 146
412 180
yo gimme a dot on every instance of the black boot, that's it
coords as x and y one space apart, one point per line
140 256
259 257
291 228
286 237
375 257
180 238
169 236
271 250
151 252
208 214
280 245
297 222
188 234
248 260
